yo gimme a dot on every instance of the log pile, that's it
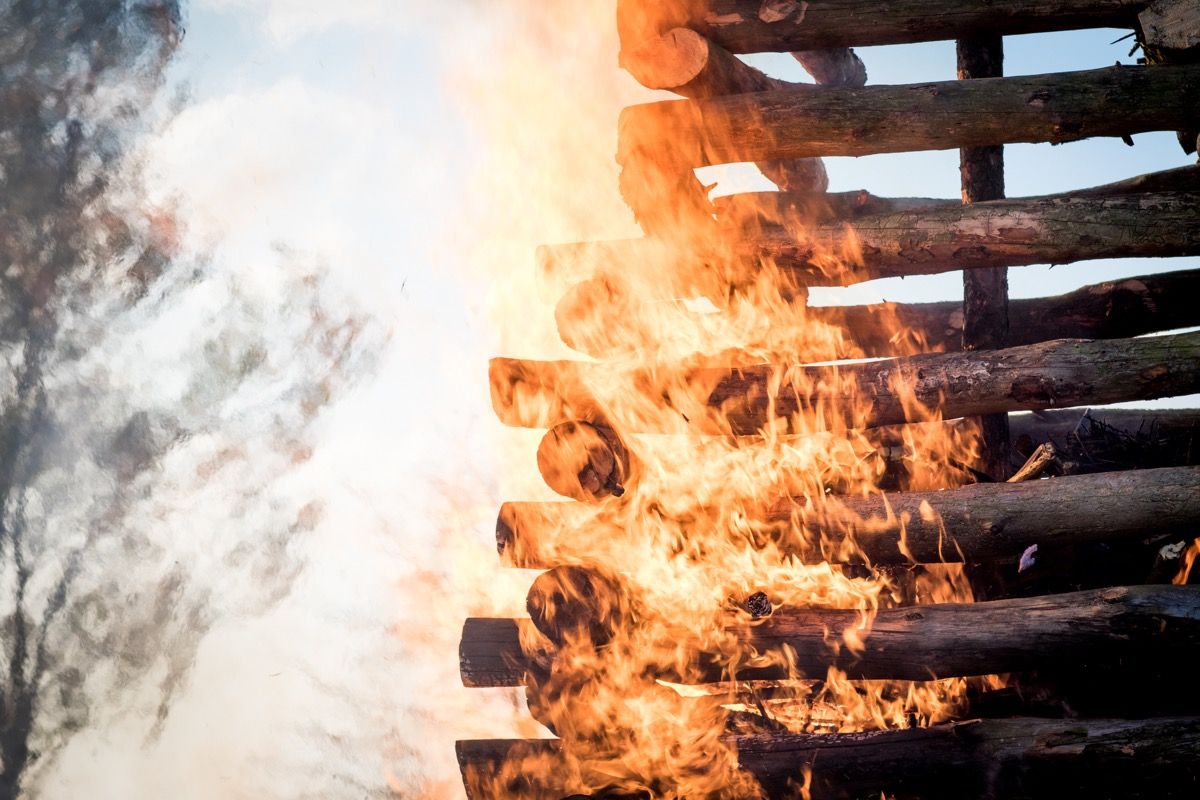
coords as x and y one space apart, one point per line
1068 524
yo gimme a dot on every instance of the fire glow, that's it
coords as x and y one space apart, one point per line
728 555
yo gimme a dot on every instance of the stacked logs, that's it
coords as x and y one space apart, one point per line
1125 499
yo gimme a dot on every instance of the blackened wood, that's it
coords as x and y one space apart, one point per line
576 604
1106 759
986 522
915 642
706 399
806 121
584 461
985 291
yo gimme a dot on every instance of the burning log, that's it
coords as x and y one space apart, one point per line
573 604
1068 372
601 318
584 461
1027 757
752 26
920 241
986 522
806 121
911 642
688 64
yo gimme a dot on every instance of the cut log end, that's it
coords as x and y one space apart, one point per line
585 462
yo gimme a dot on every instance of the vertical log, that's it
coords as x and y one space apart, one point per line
985 291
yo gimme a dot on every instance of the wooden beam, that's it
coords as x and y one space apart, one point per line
901 243
910 642
985 522
1032 758
722 400
985 291
806 121
604 322
752 26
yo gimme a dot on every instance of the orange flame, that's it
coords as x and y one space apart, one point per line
694 536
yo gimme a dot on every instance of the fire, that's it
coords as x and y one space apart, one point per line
701 523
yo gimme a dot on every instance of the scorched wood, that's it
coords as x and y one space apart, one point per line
986 522
723 400
1104 759
911 642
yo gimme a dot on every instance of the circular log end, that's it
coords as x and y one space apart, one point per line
668 61
583 461
569 604
595 317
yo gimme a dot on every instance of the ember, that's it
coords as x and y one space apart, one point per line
785 575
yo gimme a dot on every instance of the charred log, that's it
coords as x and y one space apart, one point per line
716 400
1013 758
987 522
912 642
807 121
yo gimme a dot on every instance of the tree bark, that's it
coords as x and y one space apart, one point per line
1022 758
1109 310
808 121
747 26
740 401
921 241
914 642
985 291
985 522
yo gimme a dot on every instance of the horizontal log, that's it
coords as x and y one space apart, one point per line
688 64
1104 759
1067 372
918 241
986 522
807 121
751 26
603 321
911 642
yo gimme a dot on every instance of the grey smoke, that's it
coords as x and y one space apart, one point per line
150 411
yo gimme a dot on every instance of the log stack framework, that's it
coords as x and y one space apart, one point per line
1014 357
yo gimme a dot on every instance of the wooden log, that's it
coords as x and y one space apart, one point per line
920 241
584 461
807 121
752 26
914 642
1104 759
1170 25
985 522
686 63
985 291
1110 310
721 401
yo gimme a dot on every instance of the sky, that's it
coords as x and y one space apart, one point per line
417 151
